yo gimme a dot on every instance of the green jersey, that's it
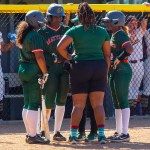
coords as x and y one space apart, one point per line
52 37
88 44
33 42
117 43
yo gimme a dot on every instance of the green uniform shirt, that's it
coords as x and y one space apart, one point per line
32 42
52 38
117 41
88 44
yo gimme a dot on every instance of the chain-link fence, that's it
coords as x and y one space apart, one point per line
139 61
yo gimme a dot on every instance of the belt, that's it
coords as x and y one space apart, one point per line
125 61
59 61
135 61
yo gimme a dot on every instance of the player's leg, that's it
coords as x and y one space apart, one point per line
50 91
62 91
81 131
79 101
28 73
24 78
79 86
93 133
32 113
122 81
97 87
118 113
25 107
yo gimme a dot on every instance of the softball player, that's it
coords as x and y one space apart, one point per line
136 58
120 73
32 63
3 49
58 82
89 71
88 109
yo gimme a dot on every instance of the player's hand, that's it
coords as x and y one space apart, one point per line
43 79
72 61
116 62
12 37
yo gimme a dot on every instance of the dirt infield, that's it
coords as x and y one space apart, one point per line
12 137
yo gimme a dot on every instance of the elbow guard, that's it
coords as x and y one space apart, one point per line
123 55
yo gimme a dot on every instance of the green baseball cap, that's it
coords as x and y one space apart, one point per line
75 20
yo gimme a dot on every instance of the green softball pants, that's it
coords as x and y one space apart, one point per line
119 81
28 74
57 86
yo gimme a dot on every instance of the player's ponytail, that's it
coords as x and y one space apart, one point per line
22 30
125 29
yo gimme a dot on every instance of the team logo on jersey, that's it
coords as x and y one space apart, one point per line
59 10
54 38
112 44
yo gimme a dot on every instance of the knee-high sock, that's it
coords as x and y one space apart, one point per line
125 120
48 113
32 119
118 117
24 117
59 115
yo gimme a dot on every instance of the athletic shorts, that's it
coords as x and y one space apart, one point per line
88 76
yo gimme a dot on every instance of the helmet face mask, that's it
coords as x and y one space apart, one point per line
115 18
106 23
35 18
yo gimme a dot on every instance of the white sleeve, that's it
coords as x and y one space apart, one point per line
1 38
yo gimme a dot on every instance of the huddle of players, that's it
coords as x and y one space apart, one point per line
44 38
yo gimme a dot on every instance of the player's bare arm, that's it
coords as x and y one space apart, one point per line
41 61
62 45
106 51
6 47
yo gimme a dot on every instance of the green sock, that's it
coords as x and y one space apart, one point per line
73 132
101 132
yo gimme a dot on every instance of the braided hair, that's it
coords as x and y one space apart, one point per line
86 15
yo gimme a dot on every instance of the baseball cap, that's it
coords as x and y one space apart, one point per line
75 20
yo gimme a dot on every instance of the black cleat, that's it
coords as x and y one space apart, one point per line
112 136
42 133
37 140
58 137
121 138
26 138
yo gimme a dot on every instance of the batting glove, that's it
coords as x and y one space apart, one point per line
116 62
43 79
12 37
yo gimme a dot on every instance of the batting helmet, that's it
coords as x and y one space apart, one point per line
35 18
116 18
55 10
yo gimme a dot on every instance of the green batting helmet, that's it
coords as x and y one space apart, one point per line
116 18
55 10
35 18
